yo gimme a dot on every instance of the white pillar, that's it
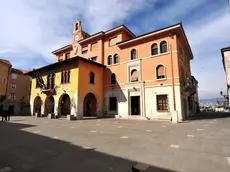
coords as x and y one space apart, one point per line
174 117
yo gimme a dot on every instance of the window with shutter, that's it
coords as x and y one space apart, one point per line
94 46
112 41
160 72
134 75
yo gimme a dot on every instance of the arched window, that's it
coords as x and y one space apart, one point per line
109 60
66 77
48 81
116 58
154 49
53 81
68 80
164 47
160 70
91 78
134 75
133 54
113 79
62 77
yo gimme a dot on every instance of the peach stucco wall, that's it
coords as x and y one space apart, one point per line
84 85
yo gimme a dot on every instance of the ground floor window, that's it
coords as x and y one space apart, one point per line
112 103
162 103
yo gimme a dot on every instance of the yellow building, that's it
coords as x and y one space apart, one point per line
5 67
71 87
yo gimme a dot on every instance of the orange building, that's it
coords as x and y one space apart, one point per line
147 76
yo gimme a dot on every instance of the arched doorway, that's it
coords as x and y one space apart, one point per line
49 105
37 105
90 105
65 105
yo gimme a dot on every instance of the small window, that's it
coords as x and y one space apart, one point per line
94 46
134 75
160 72
52 81
164 47
67 55
85 52
112 41
133 54
113 79
48 83
116 58
65 77
13 86
91 78
14 76
109 60
162 103
68 75
12 96
154 49
37 83
76 27
94 59
113 104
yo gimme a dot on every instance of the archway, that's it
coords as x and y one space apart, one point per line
90 105
65 105
49 105
37 105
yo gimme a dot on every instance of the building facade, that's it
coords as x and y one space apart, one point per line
5 67
14 89
18 92
226 64
147 76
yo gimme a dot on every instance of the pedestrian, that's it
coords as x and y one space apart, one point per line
4 115
8 113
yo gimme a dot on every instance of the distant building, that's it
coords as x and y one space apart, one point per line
14 89
5 67
115 72
226 63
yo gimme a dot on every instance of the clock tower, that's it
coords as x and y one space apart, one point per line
77 31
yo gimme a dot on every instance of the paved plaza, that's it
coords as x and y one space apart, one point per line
114 145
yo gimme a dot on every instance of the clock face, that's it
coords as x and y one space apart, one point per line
76 37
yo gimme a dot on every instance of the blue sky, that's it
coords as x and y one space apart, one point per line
30 30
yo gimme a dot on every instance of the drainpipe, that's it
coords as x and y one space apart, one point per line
174 113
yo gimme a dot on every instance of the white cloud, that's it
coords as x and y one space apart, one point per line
37 27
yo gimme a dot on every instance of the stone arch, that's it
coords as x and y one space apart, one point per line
37 105
64 105
90 105
49 105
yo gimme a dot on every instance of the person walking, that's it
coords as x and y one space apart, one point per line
4 115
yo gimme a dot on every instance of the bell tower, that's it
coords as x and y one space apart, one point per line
77 31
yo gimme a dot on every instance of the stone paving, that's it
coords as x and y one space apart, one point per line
54 145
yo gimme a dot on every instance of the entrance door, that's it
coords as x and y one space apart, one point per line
135 105
90 105
11 109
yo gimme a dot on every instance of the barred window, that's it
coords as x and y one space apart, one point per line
162 103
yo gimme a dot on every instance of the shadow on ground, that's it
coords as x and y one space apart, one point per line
210 115
23 151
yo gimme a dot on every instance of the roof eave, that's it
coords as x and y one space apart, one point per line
62 49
